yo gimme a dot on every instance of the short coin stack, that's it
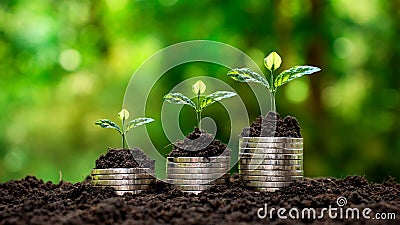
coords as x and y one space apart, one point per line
123 180
196 174
270 163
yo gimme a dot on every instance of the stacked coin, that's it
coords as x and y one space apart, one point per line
270 163
123 180
196 174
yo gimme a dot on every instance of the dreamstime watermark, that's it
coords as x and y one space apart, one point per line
340 212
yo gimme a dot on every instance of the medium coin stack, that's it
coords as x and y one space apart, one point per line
196 174
123 180
270 163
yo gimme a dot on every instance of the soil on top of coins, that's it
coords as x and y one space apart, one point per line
124 158
199 143
272 125
33 201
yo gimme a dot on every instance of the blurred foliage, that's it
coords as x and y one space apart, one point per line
64 64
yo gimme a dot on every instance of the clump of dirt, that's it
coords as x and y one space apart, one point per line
124 158
32 201
273 126
199 143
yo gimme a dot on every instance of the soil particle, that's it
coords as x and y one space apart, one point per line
124 158
198 144
33 201
273 126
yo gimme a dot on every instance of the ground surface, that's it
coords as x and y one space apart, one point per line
32 201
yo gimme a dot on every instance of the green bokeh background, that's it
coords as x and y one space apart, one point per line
64 64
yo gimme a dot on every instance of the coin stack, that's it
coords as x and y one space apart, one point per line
123 180
270 163
196 174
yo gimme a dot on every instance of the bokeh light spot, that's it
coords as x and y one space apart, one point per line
343 47
297 92
70 59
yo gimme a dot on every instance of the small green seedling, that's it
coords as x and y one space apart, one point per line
272 62
201 102
123 116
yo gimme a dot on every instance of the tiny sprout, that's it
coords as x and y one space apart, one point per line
123 116
201 102
272 62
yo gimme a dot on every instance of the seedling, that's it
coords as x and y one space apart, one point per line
201 102
123 116
272 62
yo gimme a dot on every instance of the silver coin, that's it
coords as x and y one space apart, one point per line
272 139
268 151
122 182
198 165
198 176
271 172
248 157
196 170
270 178
267 189
270 167
199 159
263 139
271 145
124 187
266 161
120 171
194 187
196 182
132 192
267 184
284 162
122 177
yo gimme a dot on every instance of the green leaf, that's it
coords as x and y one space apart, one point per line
179 98
123 115
105 123
214 97
138 122
293 73
199 87
247 75
273 61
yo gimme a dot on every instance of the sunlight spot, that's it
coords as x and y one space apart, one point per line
70 59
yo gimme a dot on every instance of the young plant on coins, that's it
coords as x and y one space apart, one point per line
271 149
126 170
123 116
199 161
123 158
289 125
200 102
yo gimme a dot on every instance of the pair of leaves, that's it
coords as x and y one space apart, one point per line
106 123
247 75
179 98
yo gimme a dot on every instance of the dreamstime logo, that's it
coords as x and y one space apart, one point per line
140 98
340 212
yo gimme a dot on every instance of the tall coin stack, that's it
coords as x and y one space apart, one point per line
270 163
196 174
123 180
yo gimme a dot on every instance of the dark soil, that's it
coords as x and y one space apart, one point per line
124 158
198 144
32 201
273 126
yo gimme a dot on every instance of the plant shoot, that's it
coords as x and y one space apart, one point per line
272 62
123 116
200 102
